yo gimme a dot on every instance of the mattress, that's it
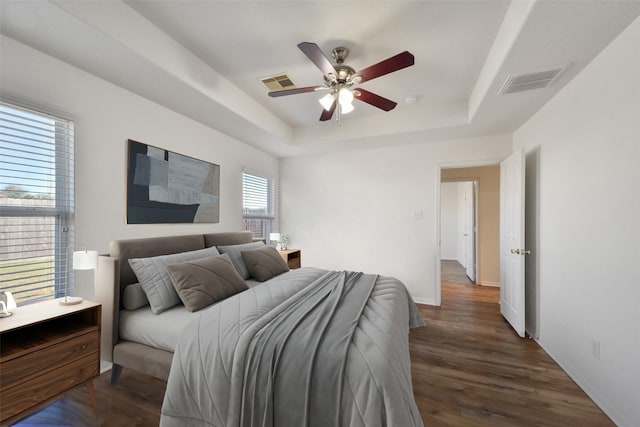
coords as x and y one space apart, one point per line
159 330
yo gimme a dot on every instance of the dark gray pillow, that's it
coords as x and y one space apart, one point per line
264 263
234 253
204 281
134 297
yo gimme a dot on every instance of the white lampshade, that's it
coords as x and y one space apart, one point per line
345 97
274 237
326 102
346 108
85 260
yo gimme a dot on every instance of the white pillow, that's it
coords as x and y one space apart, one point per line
235 253
154 278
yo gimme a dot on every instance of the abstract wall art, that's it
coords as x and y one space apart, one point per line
164 187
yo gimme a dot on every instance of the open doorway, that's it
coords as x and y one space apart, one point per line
478 253
458 207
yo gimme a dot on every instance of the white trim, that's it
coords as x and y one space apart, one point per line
105 366
39 107
490 284
438 171
471 164
608 407
260 173
426 301
437 252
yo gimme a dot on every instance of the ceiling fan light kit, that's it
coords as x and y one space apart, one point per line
346 108
339 79
327 101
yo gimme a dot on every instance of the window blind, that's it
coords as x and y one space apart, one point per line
36 203
258 205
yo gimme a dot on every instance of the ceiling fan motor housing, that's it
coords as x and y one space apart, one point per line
340 54
343 75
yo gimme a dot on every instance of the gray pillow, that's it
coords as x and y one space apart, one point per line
264 263
134 297
155 281
204 281
234 252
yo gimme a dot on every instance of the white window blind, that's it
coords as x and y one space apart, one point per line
258 205
36 204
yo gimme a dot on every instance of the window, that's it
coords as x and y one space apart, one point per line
258 205
36 204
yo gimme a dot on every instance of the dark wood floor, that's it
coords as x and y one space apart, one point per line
469 369
452 272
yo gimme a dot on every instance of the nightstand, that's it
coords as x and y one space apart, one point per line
47 350
292 258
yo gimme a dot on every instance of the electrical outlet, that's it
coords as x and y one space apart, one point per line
595 349
417 214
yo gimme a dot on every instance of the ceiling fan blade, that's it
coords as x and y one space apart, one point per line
316 56
389 65
376 100
284 92
326 115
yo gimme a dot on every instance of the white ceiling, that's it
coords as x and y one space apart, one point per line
203 59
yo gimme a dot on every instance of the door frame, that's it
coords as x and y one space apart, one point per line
474 231
439 168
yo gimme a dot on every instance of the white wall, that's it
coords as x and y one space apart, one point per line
449 226
355 210
583 152
105 117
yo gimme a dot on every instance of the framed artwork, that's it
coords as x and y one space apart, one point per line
164 187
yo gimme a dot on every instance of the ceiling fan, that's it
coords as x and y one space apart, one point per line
339 79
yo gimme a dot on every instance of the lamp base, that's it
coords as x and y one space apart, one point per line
70 300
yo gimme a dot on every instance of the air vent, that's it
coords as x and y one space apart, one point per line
530 81
279 82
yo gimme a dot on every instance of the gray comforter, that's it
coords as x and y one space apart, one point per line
307 348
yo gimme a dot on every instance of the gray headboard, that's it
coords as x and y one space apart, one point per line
114 274
123 250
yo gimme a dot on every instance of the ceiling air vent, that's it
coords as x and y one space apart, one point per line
279 82
530 81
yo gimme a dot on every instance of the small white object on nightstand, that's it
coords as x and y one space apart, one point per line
82 260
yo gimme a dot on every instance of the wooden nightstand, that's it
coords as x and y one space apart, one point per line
292 257
47 350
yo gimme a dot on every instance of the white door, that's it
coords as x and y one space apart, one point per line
469 230
512 241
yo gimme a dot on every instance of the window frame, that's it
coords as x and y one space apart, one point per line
62 237
270 217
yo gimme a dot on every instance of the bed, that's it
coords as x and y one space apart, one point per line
301 347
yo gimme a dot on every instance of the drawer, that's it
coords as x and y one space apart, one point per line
49 385
294 263
34 364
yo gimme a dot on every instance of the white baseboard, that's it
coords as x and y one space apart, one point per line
492 284
602 402
105 366
426 301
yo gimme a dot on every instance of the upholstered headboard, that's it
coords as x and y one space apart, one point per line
114 274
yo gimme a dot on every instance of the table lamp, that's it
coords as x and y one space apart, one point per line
82 260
